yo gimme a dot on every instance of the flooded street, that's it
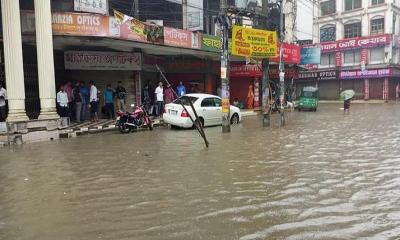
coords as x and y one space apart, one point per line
324 176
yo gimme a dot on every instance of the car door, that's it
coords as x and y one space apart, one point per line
208 111
218 114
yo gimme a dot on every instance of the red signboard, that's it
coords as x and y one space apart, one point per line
364 56
181 38
255 71
338 59
291 54
356 43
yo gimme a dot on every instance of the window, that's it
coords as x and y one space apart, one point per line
352 30
211 102
328 59
328 33
377 26
185 100
328 7
208 102
351 4
352 57
376 2
377 54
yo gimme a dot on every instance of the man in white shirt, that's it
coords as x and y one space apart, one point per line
94 100
159 99
62 102
3 98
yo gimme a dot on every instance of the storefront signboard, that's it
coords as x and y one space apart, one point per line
368 73
211 43
254 43
92 6
338 58
319 75
80 24
255 71
356 43
133 29
181 38
91 60
310 55
291 54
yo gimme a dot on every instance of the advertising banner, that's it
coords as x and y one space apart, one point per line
86 60
291 54
181 38
310 55
133 29
211 43
254 43
368 73
356 43
92 6
80 24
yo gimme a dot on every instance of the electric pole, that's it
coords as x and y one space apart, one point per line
265 77
224 24
281 66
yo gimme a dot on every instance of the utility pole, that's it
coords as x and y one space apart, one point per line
224 23
265 77
281 67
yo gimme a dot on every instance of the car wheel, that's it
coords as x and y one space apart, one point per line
235 119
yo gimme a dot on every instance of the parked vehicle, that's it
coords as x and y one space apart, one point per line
128 121
208 108
309 98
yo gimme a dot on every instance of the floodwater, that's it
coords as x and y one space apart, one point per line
324 176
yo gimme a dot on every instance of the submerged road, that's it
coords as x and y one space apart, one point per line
324 176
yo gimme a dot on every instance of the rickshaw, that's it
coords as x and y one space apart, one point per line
309 98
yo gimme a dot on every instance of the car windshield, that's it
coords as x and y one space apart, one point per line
185 100
309 94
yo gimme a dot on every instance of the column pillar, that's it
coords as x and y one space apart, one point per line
366 89
386 89
13 60
44 46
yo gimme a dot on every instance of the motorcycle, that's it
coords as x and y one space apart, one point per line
128 121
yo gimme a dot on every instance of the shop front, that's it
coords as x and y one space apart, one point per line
377 84
327 81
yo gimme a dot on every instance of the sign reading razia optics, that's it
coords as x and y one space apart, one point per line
255 43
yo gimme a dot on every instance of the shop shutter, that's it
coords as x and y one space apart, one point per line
376 89
358 87
392 89
329 90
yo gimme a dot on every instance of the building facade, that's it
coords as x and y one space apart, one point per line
359 46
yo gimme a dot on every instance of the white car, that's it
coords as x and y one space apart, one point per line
208 108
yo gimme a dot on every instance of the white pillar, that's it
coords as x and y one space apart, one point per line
44 45
13 60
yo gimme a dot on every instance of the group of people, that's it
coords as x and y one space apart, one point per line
3 105
162 96
73 101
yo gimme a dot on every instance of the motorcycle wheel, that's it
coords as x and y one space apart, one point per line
150 125
123 129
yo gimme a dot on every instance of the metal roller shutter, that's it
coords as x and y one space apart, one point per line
329 90
376 89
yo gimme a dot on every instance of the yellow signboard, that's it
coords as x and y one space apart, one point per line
225 105
255 43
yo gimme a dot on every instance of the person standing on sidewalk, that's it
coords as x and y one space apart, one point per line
62 103
94 100
109 100
121 93
169 95
181 89
3 106
159 99
85 96
69 91
78 101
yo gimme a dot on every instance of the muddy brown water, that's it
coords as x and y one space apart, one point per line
323 176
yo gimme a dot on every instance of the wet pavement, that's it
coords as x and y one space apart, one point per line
324 176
